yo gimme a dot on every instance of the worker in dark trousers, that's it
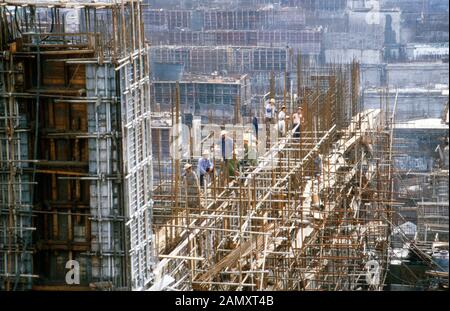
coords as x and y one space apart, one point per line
226 150
270 112
255 126
297 120
205 167
317 167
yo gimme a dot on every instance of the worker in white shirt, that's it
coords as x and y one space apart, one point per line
282 121
297 120
269 117
270 111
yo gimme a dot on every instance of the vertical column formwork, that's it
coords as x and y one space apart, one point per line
134 83
103 115
75 151
137 151
16 262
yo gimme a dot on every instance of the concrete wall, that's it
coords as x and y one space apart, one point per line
346 56
372 75
413 104
404 75
417 74
366 21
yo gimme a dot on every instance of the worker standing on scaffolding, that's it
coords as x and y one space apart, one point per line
316 200
191 187
297 120
269 117
226 148
270 111
205 167
317 167
249 154
255 126
282 121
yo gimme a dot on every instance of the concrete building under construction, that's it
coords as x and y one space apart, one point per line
76 172
306 118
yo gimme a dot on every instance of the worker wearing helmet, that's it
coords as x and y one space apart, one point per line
270 112
205 167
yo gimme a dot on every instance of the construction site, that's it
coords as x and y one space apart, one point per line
234 145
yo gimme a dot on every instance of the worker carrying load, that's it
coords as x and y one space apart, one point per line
191 187
205 167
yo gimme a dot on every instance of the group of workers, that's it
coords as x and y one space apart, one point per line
270 113
193 183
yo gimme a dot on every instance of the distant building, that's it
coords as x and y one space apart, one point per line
216 97
427 51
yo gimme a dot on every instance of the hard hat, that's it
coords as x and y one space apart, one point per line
187 165
283 107
205 152
272 100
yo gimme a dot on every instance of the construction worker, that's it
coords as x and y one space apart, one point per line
255 126
367 144
248 159
269 118
205 167
282 121
226 149
191 187
226 146
233 168
297 120
270 111
317 167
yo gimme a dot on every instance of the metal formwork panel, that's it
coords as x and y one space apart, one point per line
16 262
107 237
137 166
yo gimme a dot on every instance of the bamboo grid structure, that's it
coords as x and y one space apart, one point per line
275 226
81 186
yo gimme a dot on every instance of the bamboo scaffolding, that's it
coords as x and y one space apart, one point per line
275 224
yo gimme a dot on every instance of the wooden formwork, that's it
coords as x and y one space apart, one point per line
281 225
87 173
